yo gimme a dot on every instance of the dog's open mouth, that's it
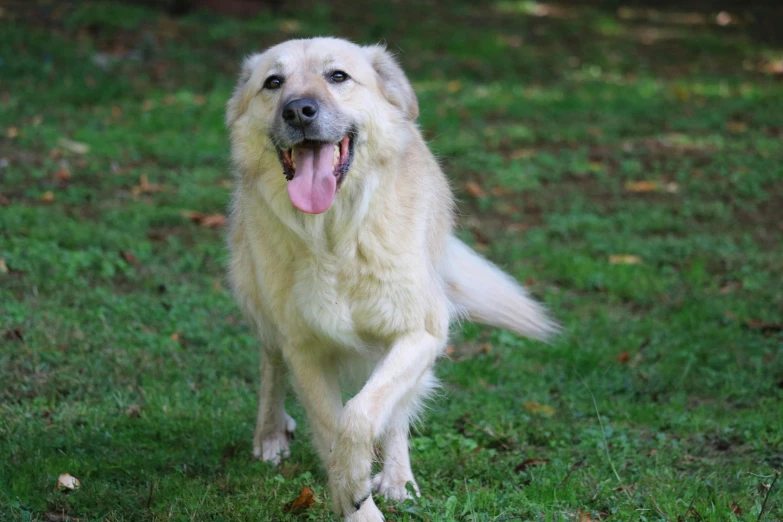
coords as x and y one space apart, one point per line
315 171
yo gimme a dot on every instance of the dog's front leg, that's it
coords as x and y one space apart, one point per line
316 383
367 416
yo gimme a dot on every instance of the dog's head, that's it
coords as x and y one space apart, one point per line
323 108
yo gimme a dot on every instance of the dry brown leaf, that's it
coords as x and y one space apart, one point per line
729 287
129 257
48 197
205 220
67 482
623 357
736 126
15 334
641 186
474 189
63 174
174 337
12 132
735 508
624 259
454 86
539 409
529 463
3 266
4 201
301 503
134 410
517 227
485 348
145 187
213 220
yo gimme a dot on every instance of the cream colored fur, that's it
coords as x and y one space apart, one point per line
364 292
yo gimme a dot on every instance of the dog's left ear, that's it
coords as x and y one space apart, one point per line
394 84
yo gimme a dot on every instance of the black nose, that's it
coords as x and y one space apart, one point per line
301 112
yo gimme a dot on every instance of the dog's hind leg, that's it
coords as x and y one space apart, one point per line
393 479
274 427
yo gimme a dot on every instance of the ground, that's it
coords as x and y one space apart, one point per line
624 162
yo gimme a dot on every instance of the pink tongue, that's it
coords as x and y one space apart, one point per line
313 188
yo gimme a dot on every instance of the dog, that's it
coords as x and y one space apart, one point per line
343 258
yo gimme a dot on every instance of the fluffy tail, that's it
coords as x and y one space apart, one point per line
482 292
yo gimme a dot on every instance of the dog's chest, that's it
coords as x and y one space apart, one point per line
347 301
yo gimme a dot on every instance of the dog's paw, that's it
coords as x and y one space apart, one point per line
276 446
368 512
393 486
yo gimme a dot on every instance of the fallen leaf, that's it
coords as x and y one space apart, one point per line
205 220
485 348
735 508
736 126
517 227
148 105
12 132
134 410
729 287
62 174
67 482
76 147
4 201
290 26
3 266
474 189
15 334
624 259
764 327
48 196
145 187
213 220
454 86
645 186
623 357
723 18
641 186
174 337
305 499
129 258
529 463
539 409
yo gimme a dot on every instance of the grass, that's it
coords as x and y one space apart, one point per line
572 134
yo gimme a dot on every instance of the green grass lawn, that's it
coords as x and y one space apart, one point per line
572 136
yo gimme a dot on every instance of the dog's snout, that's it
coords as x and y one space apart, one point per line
300 112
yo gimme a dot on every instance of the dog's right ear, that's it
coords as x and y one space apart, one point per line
394 84
239 101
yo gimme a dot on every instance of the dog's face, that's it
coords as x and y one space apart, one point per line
321 108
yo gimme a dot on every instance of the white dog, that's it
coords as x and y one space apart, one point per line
342 256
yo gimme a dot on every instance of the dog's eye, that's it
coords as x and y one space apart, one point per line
273 82
338 77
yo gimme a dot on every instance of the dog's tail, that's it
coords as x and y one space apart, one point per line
483 293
